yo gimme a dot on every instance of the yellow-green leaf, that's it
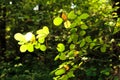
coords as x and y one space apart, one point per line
42 47
30 47
84 16
57 21
67 24
72 15
19 37
60 71
60 47
23 48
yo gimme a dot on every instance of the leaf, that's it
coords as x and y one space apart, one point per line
82 43
84 26
70 74
23 48
92 45
42 47
62 56
57 57
60 47
37 45
84 16
82 33
60 71
46 30
19 37
67 24
72 15
72 46
103 48
57 21
41 40
30 47
88 39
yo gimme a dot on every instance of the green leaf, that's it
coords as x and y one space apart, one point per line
37 45
103 48
30 47
88 39
62 56
92 45
57 21
42 47
23 48
70 74
60 71
57 57
84 26
45 30
82 33
82 43
72 15
41 40
72 46
60 47
84 16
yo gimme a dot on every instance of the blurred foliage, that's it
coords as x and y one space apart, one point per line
60 40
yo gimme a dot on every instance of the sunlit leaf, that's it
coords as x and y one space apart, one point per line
30 47
57 21
72 15
19 37
62 56
60 71
67 24
60 47
46 30
42 47
41 40
23 48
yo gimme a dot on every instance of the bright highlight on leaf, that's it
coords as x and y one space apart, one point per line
57 21
28 36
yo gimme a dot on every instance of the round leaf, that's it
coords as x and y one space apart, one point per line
82 33
42 47
23 48
60 47
57 21
67 24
